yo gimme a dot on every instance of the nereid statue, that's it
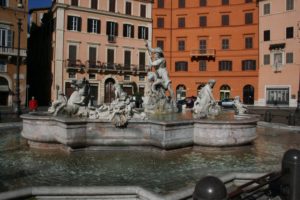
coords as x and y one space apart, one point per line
205 105
239 107
158 83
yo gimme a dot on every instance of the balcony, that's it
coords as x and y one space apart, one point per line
112 38
203 54
74 66
9 51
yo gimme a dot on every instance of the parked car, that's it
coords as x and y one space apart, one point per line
228 103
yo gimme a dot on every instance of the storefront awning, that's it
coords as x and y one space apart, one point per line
277 46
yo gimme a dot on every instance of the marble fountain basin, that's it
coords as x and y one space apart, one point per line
164 131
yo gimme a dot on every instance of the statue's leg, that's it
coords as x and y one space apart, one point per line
173 101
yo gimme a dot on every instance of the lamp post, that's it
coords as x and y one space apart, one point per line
18 101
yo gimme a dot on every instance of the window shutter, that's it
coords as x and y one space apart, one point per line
124 30
116 29
79 24
69 23
89 25
99 26
9 38
132 31
108 24
146 29
139 32
243 65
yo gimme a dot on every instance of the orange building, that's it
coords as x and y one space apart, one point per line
13 21
205 40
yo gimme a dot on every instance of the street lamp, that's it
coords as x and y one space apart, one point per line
18 101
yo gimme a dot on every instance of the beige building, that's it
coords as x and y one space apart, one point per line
279 46
10 13
103 41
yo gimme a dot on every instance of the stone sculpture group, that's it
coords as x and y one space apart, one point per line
122 108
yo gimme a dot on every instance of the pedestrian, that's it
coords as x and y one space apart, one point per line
33 104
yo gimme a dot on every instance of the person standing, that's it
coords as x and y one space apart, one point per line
33 104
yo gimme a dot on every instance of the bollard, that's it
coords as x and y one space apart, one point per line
268 116
292 119
210 188
290 180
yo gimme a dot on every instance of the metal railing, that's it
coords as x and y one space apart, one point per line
203 52
9 51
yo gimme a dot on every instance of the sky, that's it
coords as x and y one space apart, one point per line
39 3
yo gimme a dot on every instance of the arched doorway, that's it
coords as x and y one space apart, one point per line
248 94
4 91
180 92
109 94
199 88
224 92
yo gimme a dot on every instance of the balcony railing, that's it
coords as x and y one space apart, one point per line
199 54
9 51
75 65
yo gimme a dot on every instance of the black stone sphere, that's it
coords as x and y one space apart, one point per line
210 188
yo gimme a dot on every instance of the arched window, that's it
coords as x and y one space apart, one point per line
199 88
225 92
248 94
180 92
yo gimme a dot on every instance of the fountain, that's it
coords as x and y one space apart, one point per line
75 123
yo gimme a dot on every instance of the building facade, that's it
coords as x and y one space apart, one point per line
205 40
102 41
279 45
10 14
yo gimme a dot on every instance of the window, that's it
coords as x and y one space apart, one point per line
127 59
74 23
202 65
128 8
126 78
92 76
112 28
248 65
143 32
160 3
181 66
160 43
248 18
203 21
225 2
202 3
112 6
181 22
181 45
143 10
267 8
94 4
160 22
289 57
181 3
93 26
202 45
277 96
142 61
248 42
277 60
225 43
248 1
74 2
289 4
92 56
267 35
289 32
266 59
225 20
225 65
72 54
3 67
3 3
6 38
110 58
128 30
